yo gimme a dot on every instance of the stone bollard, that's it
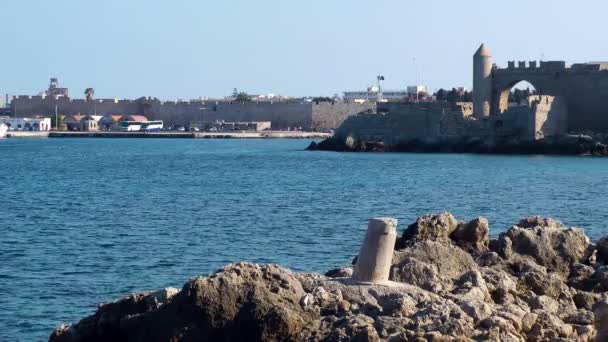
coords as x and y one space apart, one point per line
376 254
600 310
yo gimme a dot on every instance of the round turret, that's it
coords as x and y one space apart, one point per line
482 82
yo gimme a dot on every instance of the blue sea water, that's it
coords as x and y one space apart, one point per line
85 221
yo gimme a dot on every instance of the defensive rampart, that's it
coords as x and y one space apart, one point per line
282 115
582 88
397 123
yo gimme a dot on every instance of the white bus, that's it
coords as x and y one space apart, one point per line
131 126
152 126
145 126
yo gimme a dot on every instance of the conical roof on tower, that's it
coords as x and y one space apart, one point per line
483 51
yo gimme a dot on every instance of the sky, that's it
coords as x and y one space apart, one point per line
185 49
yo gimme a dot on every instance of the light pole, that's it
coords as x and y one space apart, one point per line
415 77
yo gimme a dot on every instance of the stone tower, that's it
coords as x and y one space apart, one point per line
482 82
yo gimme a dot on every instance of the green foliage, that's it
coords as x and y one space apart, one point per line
453 95
242 97
59 125
319 99
520 95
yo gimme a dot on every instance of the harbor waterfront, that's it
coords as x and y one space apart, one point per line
175 135
88 220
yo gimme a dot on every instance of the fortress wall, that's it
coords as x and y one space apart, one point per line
401 123
586 97
281 115
326 115
549 116
394 127
28 106
583 89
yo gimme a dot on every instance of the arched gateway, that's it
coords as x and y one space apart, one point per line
582 87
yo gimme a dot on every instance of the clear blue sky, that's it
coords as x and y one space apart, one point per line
190 48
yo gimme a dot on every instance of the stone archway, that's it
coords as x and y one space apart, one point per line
503 98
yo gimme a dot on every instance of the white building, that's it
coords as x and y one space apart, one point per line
417 89
27 124
372 95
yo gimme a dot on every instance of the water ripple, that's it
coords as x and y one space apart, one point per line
86 221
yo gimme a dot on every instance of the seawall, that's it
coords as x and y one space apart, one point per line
282 115
176 135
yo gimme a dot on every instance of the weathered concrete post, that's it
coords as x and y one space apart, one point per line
600 310
376 254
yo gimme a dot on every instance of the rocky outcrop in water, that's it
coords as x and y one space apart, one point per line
538 281
560 145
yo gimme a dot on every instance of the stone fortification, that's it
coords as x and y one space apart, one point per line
537 281
25 106
397 123
538 127
332 115
582 88
283 115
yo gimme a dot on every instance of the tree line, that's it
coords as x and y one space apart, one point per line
515 96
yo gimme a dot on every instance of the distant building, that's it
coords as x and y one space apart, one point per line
27 124
372 95
54 90
417 89
110 122
284 113
134 118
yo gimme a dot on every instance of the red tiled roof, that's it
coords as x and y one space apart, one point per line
138 118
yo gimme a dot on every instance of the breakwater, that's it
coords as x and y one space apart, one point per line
175 135
582 145
441 280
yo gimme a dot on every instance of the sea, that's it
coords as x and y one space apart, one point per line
87 221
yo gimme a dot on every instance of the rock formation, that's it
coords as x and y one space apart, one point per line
596 145
538 281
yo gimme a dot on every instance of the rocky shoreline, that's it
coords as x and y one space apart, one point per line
559 145
538 281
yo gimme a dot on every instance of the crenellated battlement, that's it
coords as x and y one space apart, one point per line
551 67
581 87
528 66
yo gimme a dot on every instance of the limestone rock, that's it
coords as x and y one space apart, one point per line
536 282
550 243
474 236
430 227
503 246
345 272
449 261
488 259
421 274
